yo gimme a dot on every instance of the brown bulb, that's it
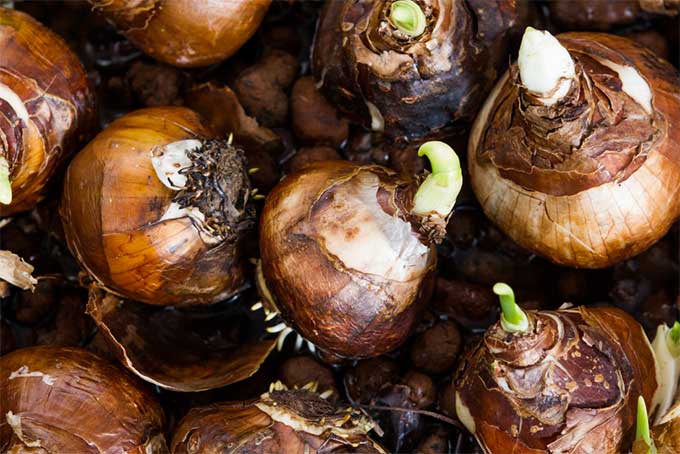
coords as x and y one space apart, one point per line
300 370
185 33
436 349
369 377
46 108
569 383
155 210
64 399
286 421
341 259
412 80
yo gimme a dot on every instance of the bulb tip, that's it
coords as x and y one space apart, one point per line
501 288
545 66
513 318
673 339
438 192
642 422
407 16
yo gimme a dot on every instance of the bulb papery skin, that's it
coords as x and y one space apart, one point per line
545 66
66 399
346 263
666 432
570 385
290 421
591 180
412 87
145 238
185 33
47 109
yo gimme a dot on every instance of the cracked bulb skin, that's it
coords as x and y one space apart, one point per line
69 400
414 86
587 174
347 264
185 33
46 108
156 211
568 385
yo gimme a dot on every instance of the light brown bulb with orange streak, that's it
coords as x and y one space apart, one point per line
186 33
156 211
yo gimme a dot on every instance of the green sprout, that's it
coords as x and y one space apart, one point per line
642 426
5 184
673 339
513 318
439 190
407 17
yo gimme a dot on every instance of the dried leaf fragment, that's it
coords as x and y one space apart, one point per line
16 271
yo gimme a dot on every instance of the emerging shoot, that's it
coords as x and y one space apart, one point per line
407 17
513 318
5 184
642 427
437 194
666 346
545 66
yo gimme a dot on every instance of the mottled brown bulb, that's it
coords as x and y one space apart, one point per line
569 384
156 211
46 108
412 87
341 259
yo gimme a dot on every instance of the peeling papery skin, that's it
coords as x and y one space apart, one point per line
113 209
592 179
185 33
68 400
413 87
16 271
184 351
281 421
46 106
372 260
568 385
